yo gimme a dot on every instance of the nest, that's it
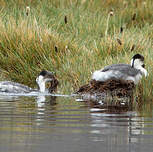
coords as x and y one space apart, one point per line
119 88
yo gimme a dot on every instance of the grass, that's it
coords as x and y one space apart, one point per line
74 38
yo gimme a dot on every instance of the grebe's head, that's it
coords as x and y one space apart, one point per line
138 63
44 76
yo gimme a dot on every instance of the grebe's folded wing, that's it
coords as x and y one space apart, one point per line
122 68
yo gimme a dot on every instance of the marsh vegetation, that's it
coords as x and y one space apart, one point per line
74 38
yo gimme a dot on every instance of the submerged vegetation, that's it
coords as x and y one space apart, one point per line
73 38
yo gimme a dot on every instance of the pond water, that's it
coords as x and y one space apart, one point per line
55 124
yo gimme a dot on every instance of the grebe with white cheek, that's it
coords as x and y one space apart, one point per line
133 72
43 77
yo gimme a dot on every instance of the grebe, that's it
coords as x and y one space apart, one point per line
43 77
133 72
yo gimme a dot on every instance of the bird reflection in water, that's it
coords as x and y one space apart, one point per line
42 103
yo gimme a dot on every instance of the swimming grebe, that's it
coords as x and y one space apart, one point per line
43 77
133 72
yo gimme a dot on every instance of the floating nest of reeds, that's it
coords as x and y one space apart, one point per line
110 90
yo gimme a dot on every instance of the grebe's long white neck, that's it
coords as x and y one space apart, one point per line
41 83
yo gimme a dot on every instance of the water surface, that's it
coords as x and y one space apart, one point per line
54 124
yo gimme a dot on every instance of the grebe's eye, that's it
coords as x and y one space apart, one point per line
143 65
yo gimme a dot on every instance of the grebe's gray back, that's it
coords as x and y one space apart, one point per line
133 72
13 87
43 77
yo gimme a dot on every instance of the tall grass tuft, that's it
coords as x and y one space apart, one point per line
74 38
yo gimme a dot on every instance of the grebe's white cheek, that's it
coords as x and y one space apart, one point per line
138 63
40 78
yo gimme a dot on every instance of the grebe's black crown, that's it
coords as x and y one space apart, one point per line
43 72
46 74
138 56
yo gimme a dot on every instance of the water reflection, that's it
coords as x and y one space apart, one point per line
41 100
126 128
50 123
41 107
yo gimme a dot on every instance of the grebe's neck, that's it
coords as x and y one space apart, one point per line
144 71
41 83
42 87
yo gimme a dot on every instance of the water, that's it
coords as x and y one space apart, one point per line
54 124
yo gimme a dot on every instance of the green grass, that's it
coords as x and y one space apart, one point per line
73 50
